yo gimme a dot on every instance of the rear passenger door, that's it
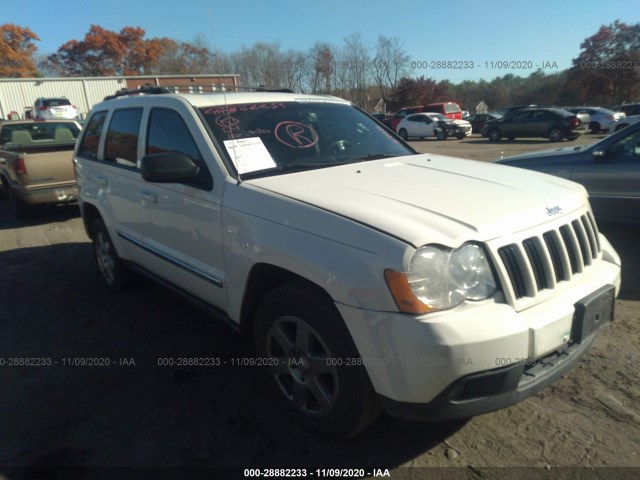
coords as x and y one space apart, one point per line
112 179
180 224
541 122
518 125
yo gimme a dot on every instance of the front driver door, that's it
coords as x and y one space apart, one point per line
613 182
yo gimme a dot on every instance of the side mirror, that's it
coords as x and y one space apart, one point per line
599 153
168 168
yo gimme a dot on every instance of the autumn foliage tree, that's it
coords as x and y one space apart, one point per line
106 53
417 91
16 51
607 71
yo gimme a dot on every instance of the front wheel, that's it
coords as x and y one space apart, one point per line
313 361
555 135
460 135
441 135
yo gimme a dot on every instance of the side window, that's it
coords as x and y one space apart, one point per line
520 117
167 133
542 115
91 137
121 143
627 148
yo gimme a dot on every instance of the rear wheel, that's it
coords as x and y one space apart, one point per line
495 135
111 270
594 127
403 134
313 361
555 135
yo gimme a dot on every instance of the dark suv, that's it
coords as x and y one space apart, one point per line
552 123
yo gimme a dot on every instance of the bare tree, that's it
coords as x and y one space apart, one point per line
357 58
389 65
322 58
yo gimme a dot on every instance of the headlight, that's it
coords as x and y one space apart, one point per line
439 279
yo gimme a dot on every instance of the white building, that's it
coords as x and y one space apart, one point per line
17 95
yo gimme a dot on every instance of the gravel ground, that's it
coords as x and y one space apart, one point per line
134 413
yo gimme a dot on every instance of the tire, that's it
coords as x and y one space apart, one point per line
299 333
555 135
460 135
21 210
112 272
594 127
403 134
441 135
494 135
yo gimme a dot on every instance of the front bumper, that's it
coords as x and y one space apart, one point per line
492 390
477 357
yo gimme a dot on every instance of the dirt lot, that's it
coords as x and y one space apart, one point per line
134 413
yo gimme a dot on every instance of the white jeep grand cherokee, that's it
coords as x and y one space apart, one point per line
370 277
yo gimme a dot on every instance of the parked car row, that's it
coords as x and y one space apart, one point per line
554 123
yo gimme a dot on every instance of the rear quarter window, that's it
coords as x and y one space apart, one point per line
91 138
121 142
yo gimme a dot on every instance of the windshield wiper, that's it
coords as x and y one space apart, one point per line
371 156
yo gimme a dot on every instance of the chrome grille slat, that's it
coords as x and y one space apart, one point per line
540 262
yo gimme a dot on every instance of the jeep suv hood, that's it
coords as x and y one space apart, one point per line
431 198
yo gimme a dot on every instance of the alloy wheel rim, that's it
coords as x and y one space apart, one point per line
105 259
302 366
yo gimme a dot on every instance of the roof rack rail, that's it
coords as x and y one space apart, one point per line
215 87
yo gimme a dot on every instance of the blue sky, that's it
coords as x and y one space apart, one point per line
545 33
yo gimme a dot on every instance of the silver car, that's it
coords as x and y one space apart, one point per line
600 118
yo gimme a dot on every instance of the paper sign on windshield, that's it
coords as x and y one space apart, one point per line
249 154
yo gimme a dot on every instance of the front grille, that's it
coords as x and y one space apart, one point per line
542 261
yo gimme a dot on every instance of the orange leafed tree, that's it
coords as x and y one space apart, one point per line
16 51
105 53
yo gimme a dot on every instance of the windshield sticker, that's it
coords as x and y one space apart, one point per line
296 134
227 123
249 154
226 109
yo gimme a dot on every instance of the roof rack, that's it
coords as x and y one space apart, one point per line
155 89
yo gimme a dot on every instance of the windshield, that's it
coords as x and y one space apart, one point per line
272 138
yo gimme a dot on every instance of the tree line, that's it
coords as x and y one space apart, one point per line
606 72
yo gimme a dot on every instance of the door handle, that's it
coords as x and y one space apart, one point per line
148 197
100 180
